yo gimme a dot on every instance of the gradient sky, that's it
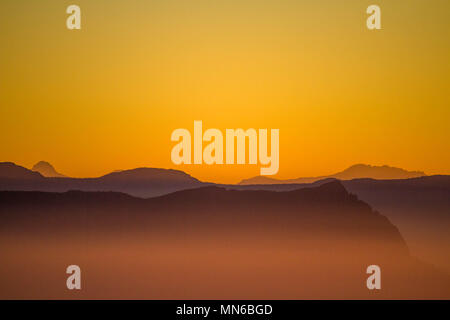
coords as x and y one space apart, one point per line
108 96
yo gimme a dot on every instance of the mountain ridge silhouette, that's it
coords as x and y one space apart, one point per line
10 170
141 182
47 170
356 171
302 243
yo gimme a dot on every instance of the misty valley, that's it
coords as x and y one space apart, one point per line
208 241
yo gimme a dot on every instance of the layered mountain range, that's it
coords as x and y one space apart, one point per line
211 242
200 229
140 182
354 172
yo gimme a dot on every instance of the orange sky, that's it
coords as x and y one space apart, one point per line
109 96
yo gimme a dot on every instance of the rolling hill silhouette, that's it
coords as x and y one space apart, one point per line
354 172
47 170
208 242
141 182
10 171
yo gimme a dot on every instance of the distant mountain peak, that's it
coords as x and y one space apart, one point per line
139 182
9 170
356 171
145 173
46 169
376 172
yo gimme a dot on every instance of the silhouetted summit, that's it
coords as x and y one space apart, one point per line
376 172
141 182
155 174
354 172
9 170
47 170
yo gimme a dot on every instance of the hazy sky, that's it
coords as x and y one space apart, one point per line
109 96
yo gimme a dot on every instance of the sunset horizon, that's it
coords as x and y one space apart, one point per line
177 168
225 158
105 98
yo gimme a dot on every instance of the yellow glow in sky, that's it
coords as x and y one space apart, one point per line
108 96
